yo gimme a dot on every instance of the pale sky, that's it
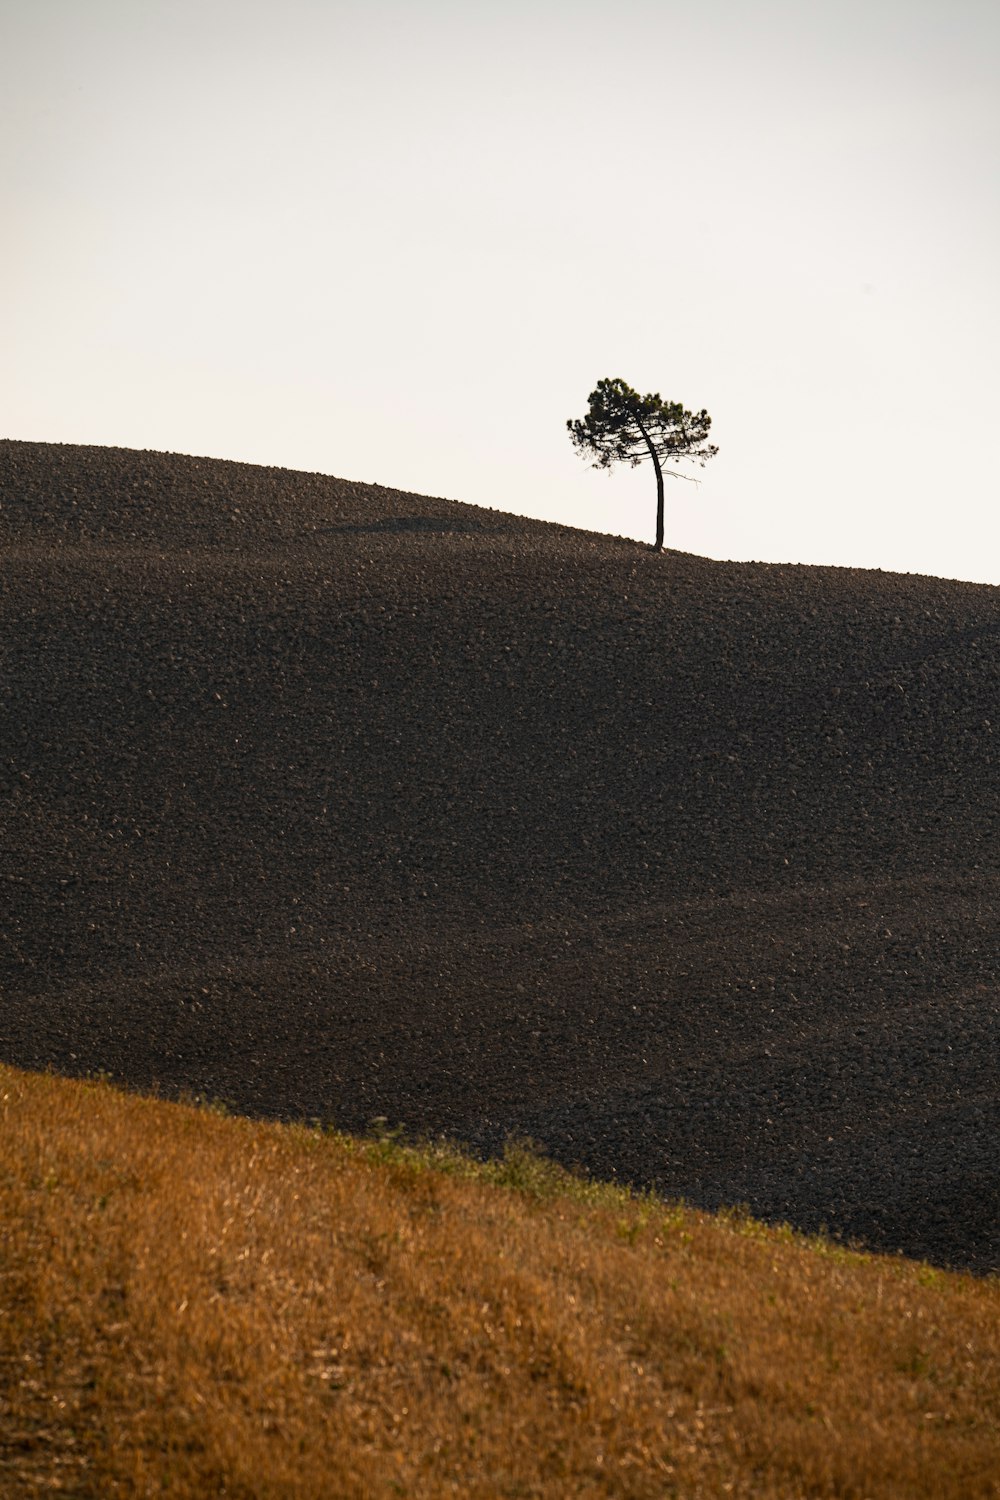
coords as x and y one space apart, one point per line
401 240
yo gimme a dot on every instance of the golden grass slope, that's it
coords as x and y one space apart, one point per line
198 1305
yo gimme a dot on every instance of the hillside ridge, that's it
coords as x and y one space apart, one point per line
687 869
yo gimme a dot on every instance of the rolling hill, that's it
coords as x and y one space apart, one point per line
337 802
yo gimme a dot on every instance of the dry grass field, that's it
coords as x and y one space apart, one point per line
194 1305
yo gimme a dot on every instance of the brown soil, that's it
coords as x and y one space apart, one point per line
335 802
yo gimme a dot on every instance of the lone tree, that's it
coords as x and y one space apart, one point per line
623 427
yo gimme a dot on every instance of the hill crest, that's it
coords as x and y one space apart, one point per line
687 869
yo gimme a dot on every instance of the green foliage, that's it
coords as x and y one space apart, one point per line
623 427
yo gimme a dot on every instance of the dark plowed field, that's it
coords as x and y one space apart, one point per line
331 801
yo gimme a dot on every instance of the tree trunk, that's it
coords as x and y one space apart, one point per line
658 544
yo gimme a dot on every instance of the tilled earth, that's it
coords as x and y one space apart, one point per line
339 803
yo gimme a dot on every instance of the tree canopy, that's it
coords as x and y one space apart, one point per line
623 427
